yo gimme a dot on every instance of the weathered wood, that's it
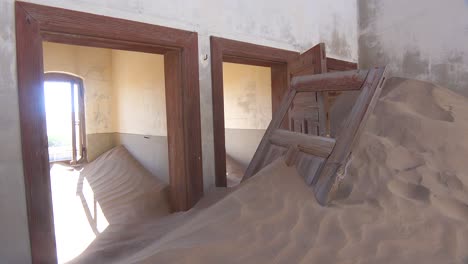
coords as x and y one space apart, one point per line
319 159
335 81
340 65
312 61
34 138
349 133
291 156
314 145
226 50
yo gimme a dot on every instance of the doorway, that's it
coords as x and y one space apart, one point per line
35 24
274 60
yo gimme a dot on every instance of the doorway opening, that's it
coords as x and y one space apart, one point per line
179 49
247 113
242 72
64 106
124 112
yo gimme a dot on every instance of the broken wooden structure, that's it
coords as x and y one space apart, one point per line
318 157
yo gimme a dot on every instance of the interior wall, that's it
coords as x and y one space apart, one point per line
421 39
294 25
94 65
140 109
140 100
247 108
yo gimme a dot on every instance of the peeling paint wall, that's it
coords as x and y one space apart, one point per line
295 25
421 39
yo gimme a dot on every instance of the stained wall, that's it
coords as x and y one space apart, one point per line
419 39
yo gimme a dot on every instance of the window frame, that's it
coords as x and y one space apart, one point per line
74 80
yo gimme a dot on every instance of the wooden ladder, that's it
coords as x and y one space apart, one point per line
319 159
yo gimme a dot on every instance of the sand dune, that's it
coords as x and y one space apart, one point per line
404 200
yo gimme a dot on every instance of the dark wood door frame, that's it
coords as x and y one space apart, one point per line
35 24
226 50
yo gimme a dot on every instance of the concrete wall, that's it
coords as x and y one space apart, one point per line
241 144
420 39
295 25
150 151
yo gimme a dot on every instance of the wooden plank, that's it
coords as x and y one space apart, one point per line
279 84
309 62
34 138
217 87
335 81
340 65
350 133
249 51
314 145
255 164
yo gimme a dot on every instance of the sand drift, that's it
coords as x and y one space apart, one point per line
403 199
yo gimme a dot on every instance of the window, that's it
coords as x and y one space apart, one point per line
64 104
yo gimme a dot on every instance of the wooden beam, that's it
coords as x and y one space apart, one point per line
335 81
340 65
314 145
34 138
349 133
309 62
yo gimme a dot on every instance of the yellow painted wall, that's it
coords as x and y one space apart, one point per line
94 65
247 96
140 101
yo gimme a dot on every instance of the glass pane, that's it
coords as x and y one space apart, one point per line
58 115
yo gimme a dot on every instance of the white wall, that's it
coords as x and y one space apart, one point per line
419 39
295 25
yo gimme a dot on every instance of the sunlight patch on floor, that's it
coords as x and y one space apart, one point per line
78 217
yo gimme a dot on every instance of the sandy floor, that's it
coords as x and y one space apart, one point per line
73 231
404 200
114 189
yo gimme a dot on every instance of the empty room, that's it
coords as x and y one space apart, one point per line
233 131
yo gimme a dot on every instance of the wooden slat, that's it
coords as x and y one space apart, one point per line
34 138
349 133
314 145
309 62
335 81
340 65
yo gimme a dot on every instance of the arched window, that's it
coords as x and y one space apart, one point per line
64 104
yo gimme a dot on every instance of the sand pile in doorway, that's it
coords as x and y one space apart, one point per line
124 189
404 200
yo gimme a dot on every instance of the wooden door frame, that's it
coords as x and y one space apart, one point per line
227 50
37 23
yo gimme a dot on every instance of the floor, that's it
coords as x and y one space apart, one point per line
78 218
